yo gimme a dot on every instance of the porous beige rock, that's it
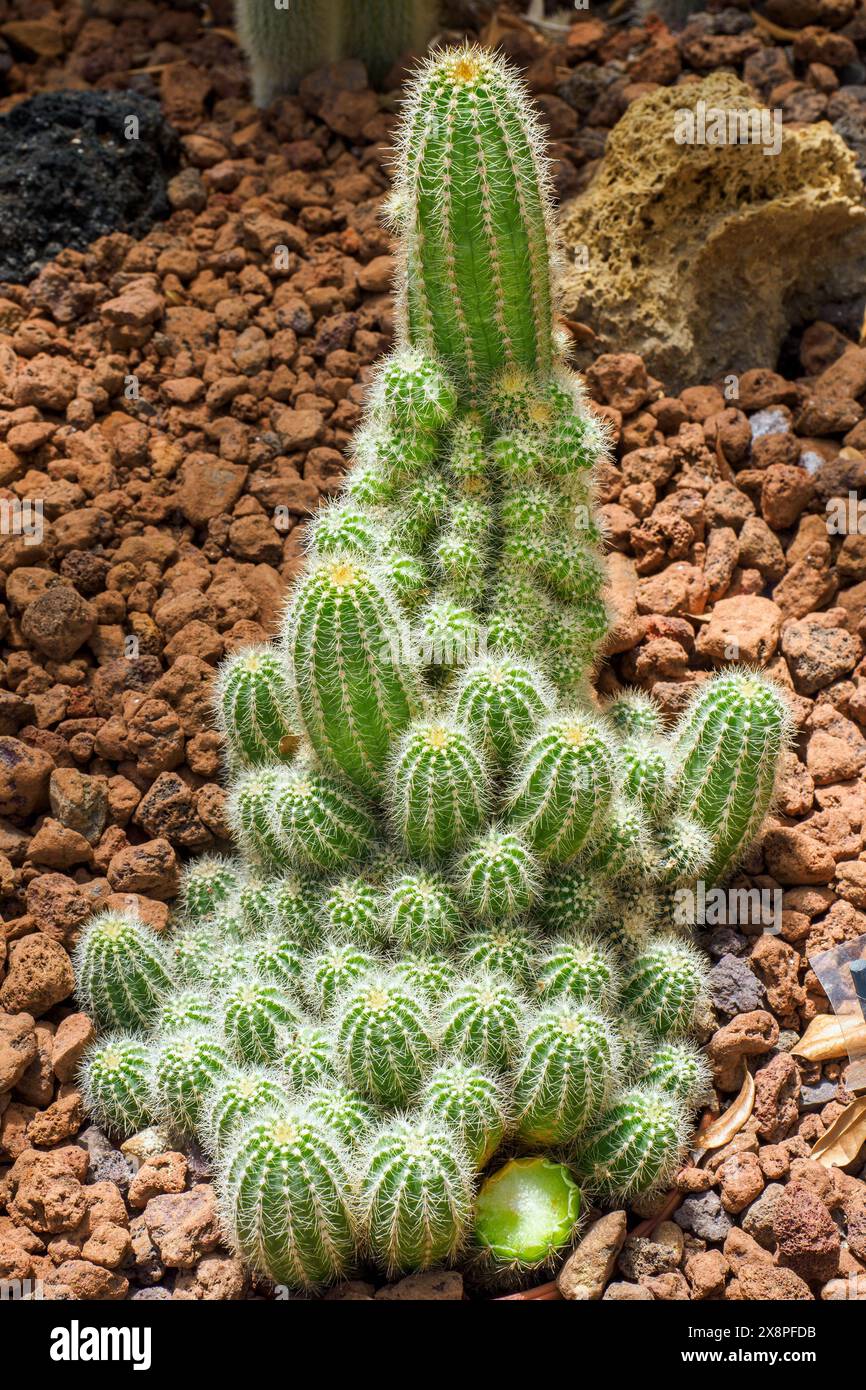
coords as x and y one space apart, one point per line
700 257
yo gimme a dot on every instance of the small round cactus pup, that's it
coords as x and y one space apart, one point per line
581 968
344 1111
568 1068
254 1014
417 390
472 1103
115 1083
433 977
680 1067
563 786
277 960
188 1008
439 789
255 708
185 1067
122 971
306 1057
384 1040
333 971
286 1198
354 910
316 821
509 951
665 985
481 1022
572 900
636 1146
422 912
497 875
239 1095
209 882
416 1194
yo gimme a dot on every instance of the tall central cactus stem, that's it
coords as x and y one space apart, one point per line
473 211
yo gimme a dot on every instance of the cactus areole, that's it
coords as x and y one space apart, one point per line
449 926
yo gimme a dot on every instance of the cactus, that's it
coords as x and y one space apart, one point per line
207 883
383 1040
115 1083
422 912
566 1073
726 756
439 788
344 1111
564 784
286 1198
637 1145
253 1014
240 1094
525 1214
497 875
306 1058
682 1069
473 211
121 971
664 986
509 951
456 871
416 1195
185 1066
482 1022
254 707
582 969
318 821
332 971
472 1104
347 642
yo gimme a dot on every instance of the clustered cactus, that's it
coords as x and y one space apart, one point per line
286 39
449 932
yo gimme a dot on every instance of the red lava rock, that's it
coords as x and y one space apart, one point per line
17 1047
777 1087
183 1226
150 869
807 1236
39 975
24 777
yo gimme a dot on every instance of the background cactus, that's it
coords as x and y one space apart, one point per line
449 927
285 43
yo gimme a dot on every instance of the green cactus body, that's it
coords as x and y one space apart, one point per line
294 907
726 755
238 1096
563 786
683 850
306 1057
344 1111
497 875
285 1194
644 772
509 951
422 912
277 960
433 977
250 810
526 1212
568 1068
252 904
254 1013
189 1008
664 986
635 715
318 821
473 210
285 44
682 1069
354 910
637 1145
115 1083
208 883
439 789
383 1040
416 1195
571 900
185 1067
381 31
482 1022
348 646
471 1104
581 969
334 970
502 701
254 705
122 971
621 844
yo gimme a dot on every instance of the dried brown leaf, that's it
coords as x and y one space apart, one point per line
825 1039
722 1130
842 1142
775 29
